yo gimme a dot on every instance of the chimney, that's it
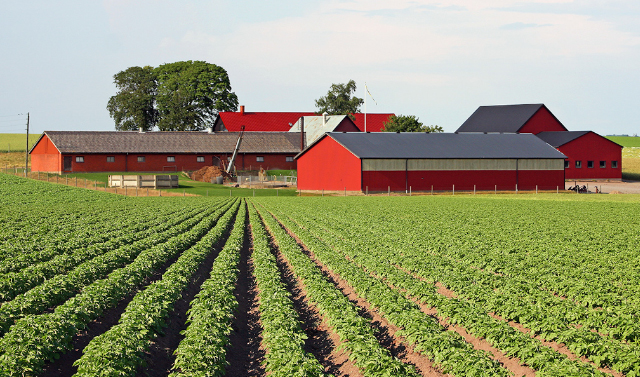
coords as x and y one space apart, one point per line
241 109
301 134
324 119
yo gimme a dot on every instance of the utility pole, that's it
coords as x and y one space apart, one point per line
26 158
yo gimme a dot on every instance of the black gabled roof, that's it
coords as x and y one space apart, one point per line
501 118
558 138
441 145
171 142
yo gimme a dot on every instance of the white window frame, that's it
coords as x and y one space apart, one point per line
171 158
200 159
111 159
259 158
79 159
289 159
142 159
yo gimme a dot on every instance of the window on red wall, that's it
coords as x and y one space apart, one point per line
590 164
614 164
111 159
603 164
566 164
578 164
289 159
200 159
140 158
171 159
79 158
259 159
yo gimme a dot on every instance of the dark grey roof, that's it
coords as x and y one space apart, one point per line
173 142
443 145
502 118
558 138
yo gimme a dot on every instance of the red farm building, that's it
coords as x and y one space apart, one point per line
421 161
128 151
589 155
233 121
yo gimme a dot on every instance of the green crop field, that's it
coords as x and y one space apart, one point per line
16 142
625 141
93 283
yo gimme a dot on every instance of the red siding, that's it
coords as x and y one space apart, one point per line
463 180
592 147
158 162
45 157
541 121
329 166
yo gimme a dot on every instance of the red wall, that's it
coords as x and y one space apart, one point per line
464 180
542 121
329 166
592 147
158 162
45 157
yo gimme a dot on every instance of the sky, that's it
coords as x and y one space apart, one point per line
438 60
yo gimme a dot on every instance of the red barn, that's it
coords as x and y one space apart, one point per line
530 119
117 151
400 161
589 155
232 121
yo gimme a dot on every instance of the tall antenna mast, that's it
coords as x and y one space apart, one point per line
26 158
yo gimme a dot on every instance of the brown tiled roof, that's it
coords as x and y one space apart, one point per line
173 142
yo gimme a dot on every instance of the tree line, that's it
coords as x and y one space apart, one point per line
187 96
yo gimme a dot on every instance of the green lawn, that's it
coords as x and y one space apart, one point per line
16 142
197 188
625 141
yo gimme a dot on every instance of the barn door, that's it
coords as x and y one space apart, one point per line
67 163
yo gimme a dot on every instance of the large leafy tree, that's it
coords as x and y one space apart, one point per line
339 100
133 106
408 123
190 95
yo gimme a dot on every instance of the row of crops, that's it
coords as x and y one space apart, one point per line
93 284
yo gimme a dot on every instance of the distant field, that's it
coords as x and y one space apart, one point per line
16 142
625 141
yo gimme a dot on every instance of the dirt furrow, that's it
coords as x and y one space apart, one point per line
322 342
245 355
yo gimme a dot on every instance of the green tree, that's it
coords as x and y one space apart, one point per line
133 106
408 123
339 100
190 95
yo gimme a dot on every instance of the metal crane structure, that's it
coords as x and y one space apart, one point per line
235 151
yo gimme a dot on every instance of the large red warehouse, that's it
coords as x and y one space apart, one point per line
589 155
123 151
419 161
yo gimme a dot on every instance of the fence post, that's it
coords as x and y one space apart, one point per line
345 191
557 189
474 189
388 190
454 190
367 190
159 192
136 190
516 188
495 189
147 191
536 189
431 189
409 190
125 190
322 192
254 193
